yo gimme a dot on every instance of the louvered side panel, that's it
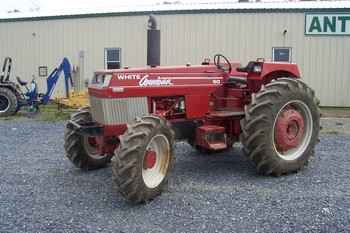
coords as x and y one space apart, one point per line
118 111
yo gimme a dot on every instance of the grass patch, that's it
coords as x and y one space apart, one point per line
19 115
335 108
329 131
340 112
53 112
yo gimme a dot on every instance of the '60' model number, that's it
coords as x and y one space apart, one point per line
217 81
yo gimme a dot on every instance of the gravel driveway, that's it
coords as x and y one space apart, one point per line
40 190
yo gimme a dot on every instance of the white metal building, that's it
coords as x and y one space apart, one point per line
316 35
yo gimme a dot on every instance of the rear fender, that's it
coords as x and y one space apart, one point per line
277 70
271 71
11 86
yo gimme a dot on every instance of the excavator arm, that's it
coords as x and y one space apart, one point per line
64 67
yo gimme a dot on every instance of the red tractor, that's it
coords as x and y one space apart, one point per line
137 114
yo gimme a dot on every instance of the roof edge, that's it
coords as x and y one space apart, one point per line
173 12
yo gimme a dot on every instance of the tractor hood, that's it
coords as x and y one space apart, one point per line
158 81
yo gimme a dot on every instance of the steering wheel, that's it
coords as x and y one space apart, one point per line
217 59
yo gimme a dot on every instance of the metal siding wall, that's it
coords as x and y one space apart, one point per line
56 39
324 61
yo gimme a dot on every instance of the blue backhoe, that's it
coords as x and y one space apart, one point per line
12 98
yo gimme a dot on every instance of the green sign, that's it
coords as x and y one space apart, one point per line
327 24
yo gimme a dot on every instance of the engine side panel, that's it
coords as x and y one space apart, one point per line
113 111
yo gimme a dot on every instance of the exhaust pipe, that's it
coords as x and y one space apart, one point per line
153 42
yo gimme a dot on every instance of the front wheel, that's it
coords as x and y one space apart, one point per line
142 162
8 102
83 151
281 127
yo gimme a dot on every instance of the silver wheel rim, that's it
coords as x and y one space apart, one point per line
295 153
4 98
91 150
152 177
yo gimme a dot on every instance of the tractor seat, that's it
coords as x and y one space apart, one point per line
247 68
21 82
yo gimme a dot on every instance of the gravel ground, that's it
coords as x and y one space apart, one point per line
40 190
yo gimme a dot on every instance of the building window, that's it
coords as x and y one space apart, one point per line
42 71
282 54
112 58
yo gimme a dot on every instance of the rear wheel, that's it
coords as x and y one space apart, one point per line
83 151
8 102
281 127
143 160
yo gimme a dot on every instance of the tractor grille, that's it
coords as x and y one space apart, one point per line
117 110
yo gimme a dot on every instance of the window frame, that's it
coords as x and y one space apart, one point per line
106 61
290 54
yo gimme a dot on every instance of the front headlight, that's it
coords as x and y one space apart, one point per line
102 80
257 68
107 80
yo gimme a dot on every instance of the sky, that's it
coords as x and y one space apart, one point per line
51 5
30 6
34 5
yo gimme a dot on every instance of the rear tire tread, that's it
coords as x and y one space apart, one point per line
258 120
